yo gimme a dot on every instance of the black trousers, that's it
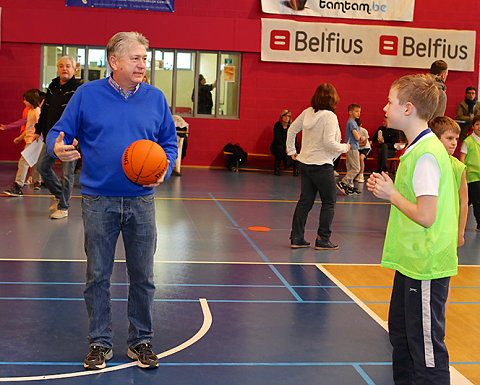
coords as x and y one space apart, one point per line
315 179
383 154
287 161
474 198
416 323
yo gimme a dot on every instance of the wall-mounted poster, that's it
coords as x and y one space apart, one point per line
369 45
146 5
400 10
229 74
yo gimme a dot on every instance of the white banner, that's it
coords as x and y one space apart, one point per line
291 41
400 10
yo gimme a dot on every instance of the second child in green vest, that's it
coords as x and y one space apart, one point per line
470 155
421 238
448 131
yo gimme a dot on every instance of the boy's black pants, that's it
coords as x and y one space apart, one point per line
416 325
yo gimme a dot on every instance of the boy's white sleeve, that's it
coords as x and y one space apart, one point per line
426 177
464 149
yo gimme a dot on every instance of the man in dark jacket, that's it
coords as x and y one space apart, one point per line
439 70
385 139
58 95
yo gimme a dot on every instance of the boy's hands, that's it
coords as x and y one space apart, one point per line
381 185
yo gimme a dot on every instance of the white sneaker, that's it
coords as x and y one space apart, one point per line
59 214
54 205
360 178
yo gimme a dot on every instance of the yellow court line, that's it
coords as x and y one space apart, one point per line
224 200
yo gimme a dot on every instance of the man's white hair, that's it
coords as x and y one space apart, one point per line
121 41
69 58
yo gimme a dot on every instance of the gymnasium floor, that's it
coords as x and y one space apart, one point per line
234 305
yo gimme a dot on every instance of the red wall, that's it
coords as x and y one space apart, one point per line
266 88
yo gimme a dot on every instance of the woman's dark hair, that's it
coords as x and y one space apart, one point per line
325 98
33 97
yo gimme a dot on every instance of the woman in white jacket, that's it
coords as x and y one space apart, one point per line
321 139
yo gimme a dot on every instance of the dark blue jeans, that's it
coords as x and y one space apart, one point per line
315 179
104 218
416 324
61 190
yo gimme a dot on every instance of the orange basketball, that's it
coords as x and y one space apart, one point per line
144 162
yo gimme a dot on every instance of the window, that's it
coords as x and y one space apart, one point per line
202 84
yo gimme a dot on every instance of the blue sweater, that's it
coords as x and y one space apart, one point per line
105 124
349 138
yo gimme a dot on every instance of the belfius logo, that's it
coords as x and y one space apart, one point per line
290 41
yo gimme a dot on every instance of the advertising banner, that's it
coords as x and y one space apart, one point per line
399 10
369 45
146 5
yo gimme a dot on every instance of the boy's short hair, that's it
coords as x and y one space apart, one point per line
353 106
421 91
475 119
443 124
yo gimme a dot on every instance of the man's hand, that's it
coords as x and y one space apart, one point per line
65 152
162 178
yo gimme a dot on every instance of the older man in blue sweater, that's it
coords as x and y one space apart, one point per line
106 116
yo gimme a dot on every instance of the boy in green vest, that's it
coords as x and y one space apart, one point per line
448 131
421 239
470 155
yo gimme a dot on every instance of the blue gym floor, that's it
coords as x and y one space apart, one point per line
233 305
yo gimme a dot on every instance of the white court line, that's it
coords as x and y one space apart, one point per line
456 378
207 322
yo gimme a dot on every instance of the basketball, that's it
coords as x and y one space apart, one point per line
144 162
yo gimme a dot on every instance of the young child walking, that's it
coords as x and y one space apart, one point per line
32 100
421 239
448 131
470 155
352 137
363 150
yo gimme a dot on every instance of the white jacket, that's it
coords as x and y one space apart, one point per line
321 137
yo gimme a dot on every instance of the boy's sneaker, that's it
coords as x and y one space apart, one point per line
14 191
36 186
143 353
97 356
299 243
360 178
353 191
344 188
324 245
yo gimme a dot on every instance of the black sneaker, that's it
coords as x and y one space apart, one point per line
14 191
324 245
36 186
353 191
298 243
97 356
143 353
343 188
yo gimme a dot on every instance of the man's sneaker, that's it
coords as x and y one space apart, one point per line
97 356
298 243
360 178
14 191
324 245
36 186
59 214
54 205
143 353
344 188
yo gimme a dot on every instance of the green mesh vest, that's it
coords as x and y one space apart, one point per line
415 251
472 160
458 168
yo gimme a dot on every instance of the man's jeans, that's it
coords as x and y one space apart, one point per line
104 218
61 190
